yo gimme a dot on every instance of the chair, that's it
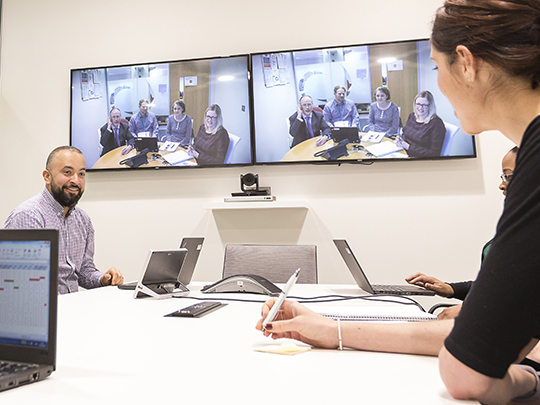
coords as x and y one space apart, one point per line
451 131
99 145
273 262
233 141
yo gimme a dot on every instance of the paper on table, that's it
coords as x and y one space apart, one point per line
177 157
384 148
372 136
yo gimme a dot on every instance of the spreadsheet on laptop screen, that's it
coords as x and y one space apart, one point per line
24 292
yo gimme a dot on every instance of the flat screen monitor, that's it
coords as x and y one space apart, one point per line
140 101
387 91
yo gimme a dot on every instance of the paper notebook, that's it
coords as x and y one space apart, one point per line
394 313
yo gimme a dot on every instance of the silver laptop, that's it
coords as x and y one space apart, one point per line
193 246
363 282
28 305
159 278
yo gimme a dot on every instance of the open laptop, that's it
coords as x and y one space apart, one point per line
193 246
28 305
341 133
143 143
159 278
363 282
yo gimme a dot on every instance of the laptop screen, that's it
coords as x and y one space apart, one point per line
24 286
28 292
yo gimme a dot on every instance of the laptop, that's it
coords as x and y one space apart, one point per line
341 133
193 246
143 143
363 282
28 305
159 278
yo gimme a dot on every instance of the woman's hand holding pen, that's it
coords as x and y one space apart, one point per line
295 321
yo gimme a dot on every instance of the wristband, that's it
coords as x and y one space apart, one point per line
535 394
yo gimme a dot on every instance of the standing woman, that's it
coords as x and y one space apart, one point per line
487 54
424 131
212 141
383 114
179 125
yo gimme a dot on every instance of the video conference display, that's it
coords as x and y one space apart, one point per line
342 104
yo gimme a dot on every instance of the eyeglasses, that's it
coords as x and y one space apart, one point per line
506 177
208 117
422 105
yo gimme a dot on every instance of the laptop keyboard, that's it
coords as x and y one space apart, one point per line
389 289
8 367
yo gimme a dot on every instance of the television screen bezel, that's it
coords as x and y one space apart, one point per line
344 160
209 58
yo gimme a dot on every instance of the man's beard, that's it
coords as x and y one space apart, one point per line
65 199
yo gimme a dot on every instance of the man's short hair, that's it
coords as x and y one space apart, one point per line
339 87
143 101
59 149
305 95
115 108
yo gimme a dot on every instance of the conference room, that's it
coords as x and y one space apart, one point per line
399 217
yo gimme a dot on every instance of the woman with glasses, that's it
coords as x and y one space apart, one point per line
212 140
424 131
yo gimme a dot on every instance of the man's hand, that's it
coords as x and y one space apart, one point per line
112 277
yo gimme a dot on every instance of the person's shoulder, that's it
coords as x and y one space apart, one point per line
317 114
293 116
328 105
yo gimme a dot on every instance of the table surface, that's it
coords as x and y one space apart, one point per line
307 149
114 349
112 159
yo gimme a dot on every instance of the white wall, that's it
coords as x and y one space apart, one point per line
399 217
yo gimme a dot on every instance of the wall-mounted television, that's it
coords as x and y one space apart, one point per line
383 98
154 115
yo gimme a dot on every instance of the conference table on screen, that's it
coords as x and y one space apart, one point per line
112 159
114 349
306 150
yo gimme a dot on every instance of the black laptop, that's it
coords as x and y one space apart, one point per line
363 282
28 305
349 133
146 143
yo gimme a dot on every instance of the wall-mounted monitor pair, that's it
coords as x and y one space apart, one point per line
268 108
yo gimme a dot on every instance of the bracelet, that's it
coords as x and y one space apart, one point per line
339 334
535 394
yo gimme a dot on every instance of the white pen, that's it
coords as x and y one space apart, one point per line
277 306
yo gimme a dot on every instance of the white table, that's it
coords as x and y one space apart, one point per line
113 349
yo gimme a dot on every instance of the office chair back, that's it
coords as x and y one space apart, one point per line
451 131
233 141
273 262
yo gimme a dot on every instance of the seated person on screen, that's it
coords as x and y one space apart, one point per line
179 126
383 114
116 133
212 141
144 124
341 112
56 208
461 289
424 132
307 124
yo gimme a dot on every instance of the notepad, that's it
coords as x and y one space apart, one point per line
177 158
383 149
372 136
403 313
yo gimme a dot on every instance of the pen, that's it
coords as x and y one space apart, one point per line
277 306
